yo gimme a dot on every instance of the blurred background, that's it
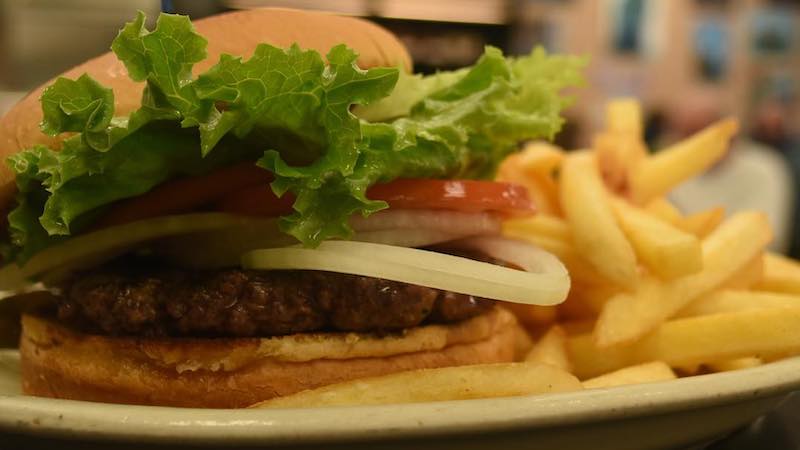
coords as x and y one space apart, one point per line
689 61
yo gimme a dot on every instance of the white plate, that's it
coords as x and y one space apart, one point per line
648 416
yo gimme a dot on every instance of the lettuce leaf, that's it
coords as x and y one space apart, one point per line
462 129
290 110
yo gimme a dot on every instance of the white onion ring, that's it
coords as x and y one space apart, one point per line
453 222
406 228
546 284
406 237
93 248
526 256
208 240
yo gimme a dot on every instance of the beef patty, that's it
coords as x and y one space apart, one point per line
235 302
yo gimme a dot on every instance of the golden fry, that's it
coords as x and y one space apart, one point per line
739 300
575 308
664 210
431 385
617 156
642 373
659 173
596 235
665 250
532 316
781 274
735 364
539 225
593 296
551 349
564 250
523 343
624 116
701 224
629 316
574 327
620 149
748 276
695 340
540 157
533 169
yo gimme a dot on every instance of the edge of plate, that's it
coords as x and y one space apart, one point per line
44 416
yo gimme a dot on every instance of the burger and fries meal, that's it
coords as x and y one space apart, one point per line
266 208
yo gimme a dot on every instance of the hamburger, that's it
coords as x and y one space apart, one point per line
221 212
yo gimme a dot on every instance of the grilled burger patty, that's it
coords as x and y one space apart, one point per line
239 303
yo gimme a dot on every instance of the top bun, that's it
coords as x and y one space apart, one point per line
237 33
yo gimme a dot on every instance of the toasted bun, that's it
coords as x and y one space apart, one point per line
236 33
234 373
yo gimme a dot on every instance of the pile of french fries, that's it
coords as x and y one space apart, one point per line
656 294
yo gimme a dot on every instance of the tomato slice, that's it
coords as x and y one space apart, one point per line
185 194
257 201
458 195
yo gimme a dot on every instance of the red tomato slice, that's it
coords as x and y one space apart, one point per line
185 194
458 195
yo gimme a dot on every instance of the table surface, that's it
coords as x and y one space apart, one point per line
778 430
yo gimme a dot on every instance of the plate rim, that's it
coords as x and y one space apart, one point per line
79 419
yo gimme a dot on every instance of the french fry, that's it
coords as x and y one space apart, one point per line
624 115
665 250
688 370
695 340
575 308
701 224
781 274
523 343
540 157
575 327
551 349
735 364
540 225
533 168
621 148
664 210
532 316
564 250
541 191
736 300
596 235
642 373
659 173
748 276
617 155
593 296
431 385
629 316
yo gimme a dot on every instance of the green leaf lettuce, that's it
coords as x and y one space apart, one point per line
288 109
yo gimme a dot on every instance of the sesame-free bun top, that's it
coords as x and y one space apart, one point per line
235 33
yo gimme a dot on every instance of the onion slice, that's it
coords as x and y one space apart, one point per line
453 222
521 254
405 228
93 248
547 283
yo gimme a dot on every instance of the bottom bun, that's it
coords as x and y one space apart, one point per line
233 373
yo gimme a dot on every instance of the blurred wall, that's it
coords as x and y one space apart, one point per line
42 38
675 55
